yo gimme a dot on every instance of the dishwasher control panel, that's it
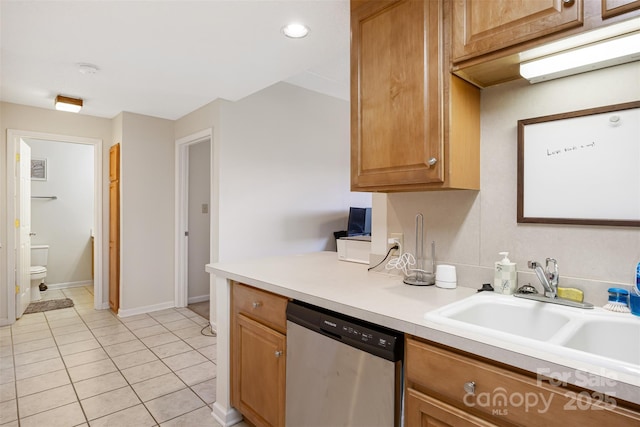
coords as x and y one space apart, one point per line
375 339
356 332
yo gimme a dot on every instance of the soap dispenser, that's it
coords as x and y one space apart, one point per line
505 280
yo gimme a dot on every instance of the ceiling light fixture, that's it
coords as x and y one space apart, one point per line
295 30
591 57
85 68
65 103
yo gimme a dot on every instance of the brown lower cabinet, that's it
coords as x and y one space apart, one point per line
449 388
258 355
443 386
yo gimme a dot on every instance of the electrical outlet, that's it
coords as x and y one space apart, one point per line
399 238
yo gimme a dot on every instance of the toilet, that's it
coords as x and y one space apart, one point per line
39 258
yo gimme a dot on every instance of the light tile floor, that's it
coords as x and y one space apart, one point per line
79 366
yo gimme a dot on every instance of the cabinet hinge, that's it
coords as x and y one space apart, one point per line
17 223
17 289
17 157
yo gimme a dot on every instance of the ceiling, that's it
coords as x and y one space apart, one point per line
167 58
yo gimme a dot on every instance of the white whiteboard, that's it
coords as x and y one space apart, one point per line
581 167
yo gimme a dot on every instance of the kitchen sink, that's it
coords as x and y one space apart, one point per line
619 340
599 337
502 314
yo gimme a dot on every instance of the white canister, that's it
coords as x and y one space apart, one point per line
446 276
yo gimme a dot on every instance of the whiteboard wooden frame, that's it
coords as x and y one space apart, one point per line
524 214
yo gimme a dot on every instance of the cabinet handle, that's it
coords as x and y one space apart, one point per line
278 353
470 387
568 3
432 161
257 304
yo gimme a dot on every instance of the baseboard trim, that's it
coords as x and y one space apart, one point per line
225 417
146 309
201 298
67 285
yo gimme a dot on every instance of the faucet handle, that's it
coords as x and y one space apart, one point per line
553 275
532 264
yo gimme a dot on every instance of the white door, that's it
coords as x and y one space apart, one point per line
22 197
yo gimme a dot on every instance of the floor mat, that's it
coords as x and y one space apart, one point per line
48 305
201 308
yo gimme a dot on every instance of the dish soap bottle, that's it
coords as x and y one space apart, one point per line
505 279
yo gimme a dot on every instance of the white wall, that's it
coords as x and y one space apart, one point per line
147 219
281 174
470 228
65 224
21 117
284 176
199 221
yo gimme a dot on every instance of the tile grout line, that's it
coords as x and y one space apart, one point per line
129 384
84 321
168 367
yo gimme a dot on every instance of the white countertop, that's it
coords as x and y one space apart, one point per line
381 298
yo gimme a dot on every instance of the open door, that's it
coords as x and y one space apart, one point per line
22 197
114 228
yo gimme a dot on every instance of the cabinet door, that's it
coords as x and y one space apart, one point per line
396 94
425 411
261 372
618 7
481 26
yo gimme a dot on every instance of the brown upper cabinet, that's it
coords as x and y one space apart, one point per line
481 26
414 126
488 36
611 8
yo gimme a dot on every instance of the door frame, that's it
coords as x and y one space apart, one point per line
14 135
182 211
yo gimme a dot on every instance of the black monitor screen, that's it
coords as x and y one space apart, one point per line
359 222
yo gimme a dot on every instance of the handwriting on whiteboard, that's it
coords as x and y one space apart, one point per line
570 149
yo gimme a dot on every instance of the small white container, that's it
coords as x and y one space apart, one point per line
446 276
505 279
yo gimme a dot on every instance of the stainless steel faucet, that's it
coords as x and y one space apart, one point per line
548 277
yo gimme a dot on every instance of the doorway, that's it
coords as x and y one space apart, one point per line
93 227
194 218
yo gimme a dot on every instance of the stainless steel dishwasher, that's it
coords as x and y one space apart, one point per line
341 371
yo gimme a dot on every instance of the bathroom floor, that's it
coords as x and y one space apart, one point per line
79 366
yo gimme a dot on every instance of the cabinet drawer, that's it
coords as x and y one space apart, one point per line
510 397
265 307
423 410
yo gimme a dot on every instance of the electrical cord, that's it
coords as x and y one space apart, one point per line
212 334
404 262
385 257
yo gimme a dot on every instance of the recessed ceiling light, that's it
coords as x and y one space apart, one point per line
87 68
295 30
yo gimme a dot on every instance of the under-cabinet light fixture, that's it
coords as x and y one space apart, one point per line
607 53
65 103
